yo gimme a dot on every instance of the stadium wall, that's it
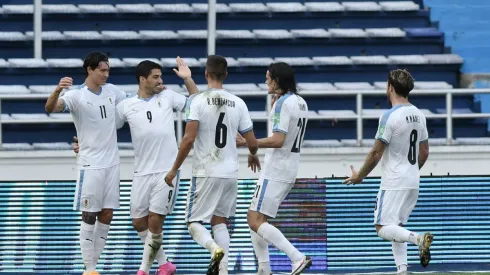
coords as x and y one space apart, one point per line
315 163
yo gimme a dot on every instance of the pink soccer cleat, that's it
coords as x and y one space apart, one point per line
141 272
166 269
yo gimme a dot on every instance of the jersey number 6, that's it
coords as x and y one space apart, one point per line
221 132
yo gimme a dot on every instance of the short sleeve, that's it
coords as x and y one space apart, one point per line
281 117
193 109
425 134
385 129
120 115
71 99
178 101
246 124
120 95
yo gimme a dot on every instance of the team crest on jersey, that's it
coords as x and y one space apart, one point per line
85 202
276 118
159 104
110 100
381 130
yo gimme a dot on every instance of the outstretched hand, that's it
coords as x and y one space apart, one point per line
354 178
182 70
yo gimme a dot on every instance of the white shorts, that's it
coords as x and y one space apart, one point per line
151 193
97 189
269 195
394 206
208 197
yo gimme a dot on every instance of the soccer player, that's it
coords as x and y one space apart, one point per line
150 115
402 146
93 108
213 119
288 119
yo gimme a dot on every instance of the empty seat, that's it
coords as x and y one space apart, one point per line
52 146
116 62
319 86
295 61
380 85
61 116
310 33
171 63
439 141
399 6
16 147
158 35
370 59
203 8
48 35
193 34
408 59
135 8
455 110
332 60
444 58
97 8
353 86
12 36
260 61
473 141
324 7
60 8
258 115
14 89
234 34
426 85
347 33
353 142
129 89
133 62
385 32
272 34
373 113
18 9
27 63
241 87
423 32
65 62
30 117
321 143
176 88
42 89
248 7
312 114
83 35
286 7
173 8
120 35
361 6
4 63
5 117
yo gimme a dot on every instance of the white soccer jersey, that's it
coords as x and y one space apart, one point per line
221 115
94 118
289 115
402 128
151 122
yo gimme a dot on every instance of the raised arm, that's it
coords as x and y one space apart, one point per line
185 73
54 103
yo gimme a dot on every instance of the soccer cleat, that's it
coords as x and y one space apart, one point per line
141 272
300 266
166 269
93 272
424 249
213 268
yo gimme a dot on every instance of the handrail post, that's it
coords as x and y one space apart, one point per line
449 118
268 109
211 27
180 130
359 118
38 29
1 126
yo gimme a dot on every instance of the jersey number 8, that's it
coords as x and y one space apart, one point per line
412 151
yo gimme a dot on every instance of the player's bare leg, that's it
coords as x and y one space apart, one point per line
222 239
87 242
396 233
258 223
148 227
202 237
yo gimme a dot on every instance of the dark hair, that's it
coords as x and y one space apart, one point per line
92 61
402 82
144 69
283 74
217 66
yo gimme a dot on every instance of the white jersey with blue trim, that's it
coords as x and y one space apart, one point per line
402 129
151 122
221 116
94 116
289 116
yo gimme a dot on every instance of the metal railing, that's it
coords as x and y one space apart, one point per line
359 117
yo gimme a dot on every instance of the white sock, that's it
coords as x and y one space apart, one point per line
100 236
202 236
161 257
273 236
400 255
222 238
87 245
398 234
261 249
153 244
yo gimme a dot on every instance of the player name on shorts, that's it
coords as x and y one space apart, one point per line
221 101
412 119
